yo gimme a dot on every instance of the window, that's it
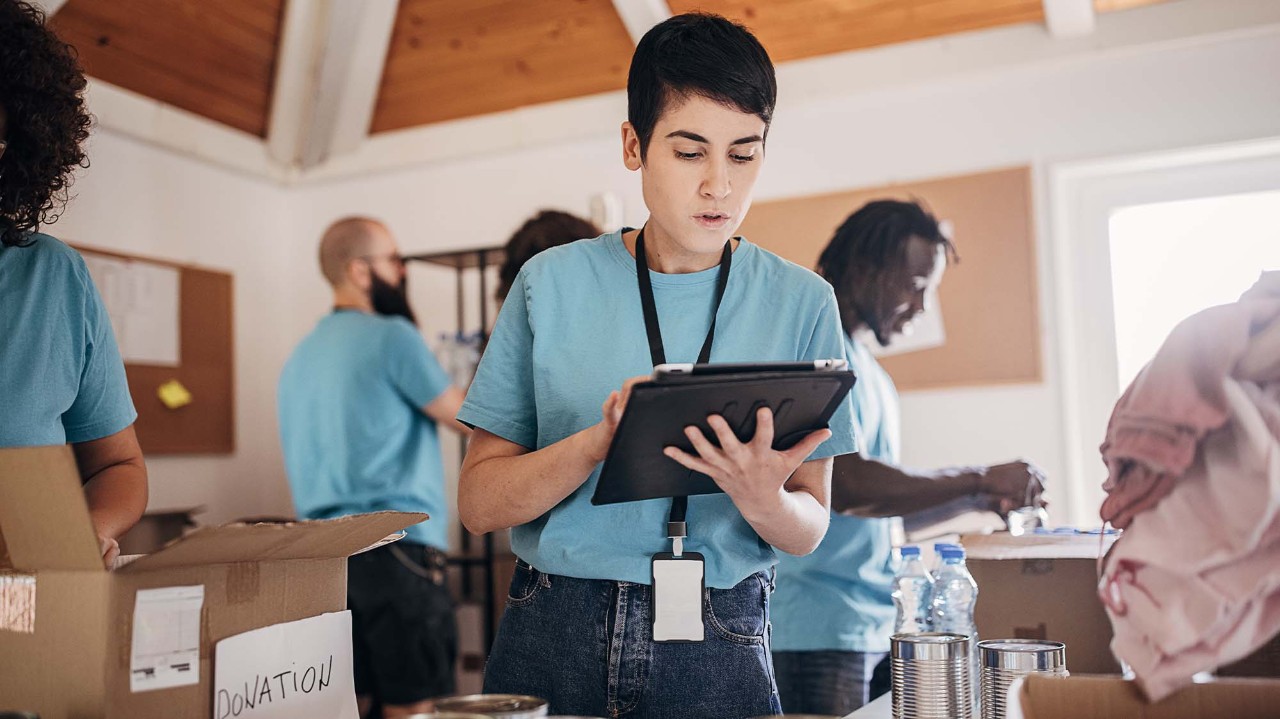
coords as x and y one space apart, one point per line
1138 243
1170 260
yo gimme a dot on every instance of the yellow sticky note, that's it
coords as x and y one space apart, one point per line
173 394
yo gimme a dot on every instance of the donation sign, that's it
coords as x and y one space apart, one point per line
294 670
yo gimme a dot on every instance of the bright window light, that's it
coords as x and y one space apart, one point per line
1172 259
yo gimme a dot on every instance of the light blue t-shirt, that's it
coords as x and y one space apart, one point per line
839 597
61 378
352 429
571 331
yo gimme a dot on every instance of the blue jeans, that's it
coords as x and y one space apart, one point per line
586 646
825 682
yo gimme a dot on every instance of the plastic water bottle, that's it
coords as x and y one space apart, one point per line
911 591
954 595
936 562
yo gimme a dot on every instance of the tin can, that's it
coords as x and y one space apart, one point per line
930 674
1004 660
504 706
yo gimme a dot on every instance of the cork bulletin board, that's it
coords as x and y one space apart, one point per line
205 368
989 300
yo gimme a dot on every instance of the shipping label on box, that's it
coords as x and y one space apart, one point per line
294 670
166 638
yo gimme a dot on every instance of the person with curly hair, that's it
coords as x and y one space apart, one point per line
61 377
547 229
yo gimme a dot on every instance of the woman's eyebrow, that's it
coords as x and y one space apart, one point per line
699 138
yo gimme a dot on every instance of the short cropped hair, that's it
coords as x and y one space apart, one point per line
698 54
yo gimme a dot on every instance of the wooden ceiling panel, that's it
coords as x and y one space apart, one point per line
216 59
451 59
796 29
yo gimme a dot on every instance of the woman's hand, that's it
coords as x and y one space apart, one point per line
752 473
109 548
611 414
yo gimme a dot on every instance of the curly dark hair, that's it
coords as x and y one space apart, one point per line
547 229
41 87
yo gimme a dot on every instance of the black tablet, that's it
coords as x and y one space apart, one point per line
802 395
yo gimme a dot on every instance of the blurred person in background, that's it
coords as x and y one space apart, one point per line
833 611
547 229
360 401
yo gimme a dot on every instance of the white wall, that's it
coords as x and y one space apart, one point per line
135 198
1166 96
904 126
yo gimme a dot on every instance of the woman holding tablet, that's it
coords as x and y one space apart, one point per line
579 629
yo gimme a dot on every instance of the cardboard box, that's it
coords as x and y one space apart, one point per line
157 528
1110 697
67 625
1043 587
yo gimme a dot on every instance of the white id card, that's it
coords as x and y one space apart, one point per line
677 597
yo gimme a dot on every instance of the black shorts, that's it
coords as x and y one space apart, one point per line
404 635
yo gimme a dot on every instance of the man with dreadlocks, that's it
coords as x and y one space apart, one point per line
832 611
61 377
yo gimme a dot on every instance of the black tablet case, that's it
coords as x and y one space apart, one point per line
659 410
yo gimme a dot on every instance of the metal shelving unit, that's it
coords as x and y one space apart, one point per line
471 557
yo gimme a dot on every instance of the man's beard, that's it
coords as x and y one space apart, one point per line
390 300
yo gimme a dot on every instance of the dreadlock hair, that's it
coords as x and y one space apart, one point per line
874 238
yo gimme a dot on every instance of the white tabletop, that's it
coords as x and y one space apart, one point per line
881 708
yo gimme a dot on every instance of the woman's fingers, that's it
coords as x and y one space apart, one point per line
764 429
806 446
688 461
729 443
702 445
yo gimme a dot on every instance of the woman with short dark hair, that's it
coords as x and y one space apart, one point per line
579 627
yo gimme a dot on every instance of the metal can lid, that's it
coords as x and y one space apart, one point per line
1036 655
493 704
928 646
1020 645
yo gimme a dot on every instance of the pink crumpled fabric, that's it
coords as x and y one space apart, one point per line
1194 453
1178 398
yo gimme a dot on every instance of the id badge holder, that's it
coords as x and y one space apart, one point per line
679 579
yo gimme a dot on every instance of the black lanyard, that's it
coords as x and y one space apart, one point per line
676 528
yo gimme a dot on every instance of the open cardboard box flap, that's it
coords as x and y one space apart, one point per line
43 515
45 525
1002 545
1110 697
316 539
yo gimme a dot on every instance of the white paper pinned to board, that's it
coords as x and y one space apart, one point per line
142 299
166 638
294 670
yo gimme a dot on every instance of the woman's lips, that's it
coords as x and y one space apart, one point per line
711 221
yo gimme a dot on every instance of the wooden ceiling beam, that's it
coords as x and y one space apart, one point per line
1070 18
327 77
640 15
